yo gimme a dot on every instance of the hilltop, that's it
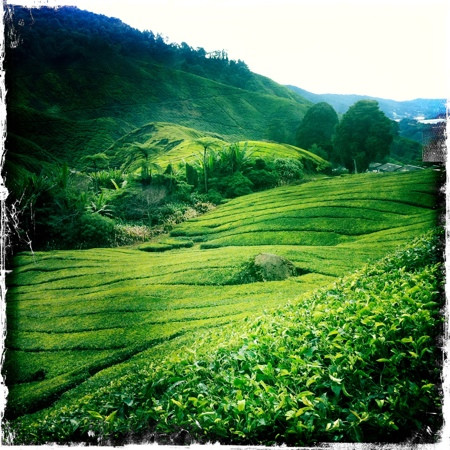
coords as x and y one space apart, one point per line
78 81
174 144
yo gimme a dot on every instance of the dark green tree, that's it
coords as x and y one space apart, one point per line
141 156
191 175
364 135
95 162
317 127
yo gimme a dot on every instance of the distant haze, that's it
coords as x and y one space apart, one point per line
395 49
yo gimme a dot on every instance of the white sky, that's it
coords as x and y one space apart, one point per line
397 49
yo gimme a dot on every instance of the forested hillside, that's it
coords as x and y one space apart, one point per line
77 81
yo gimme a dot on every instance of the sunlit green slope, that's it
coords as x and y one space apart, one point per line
169 143
73 314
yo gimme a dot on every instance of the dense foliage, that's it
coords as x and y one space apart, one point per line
356 362
110 310
317 127
364 135
406 151
99 206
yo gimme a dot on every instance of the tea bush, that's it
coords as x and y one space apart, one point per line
155 247
95 231
329 212
138 302
165 244
355 362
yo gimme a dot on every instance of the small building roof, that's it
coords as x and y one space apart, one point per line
388 167
409 168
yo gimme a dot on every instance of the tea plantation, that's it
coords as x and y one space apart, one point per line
173 144
105 341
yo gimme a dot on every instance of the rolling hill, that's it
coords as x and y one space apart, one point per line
174 144
79 321
78 81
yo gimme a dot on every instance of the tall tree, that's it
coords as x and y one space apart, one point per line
141 156
207 160
364 135
317 127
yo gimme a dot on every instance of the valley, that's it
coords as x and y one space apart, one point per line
147 181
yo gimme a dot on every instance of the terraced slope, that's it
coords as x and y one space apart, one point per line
79 81
370 208
174 144
78 320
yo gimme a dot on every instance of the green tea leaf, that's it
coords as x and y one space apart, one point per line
345 392
111 417
96 415
336 380
176 402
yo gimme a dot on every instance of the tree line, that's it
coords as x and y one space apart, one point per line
363 135
67 34
101 206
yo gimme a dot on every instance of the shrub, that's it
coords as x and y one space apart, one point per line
288 170
214 196
262 179
236 185
191 175
178 243
166 244
95 231
265 267
126 234
232 186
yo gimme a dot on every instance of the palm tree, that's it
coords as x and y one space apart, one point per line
236 158
207 160
141 156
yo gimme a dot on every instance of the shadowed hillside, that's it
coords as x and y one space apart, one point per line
77 81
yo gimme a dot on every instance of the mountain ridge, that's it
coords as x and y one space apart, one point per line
394 109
